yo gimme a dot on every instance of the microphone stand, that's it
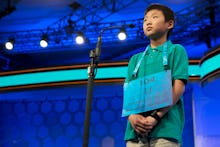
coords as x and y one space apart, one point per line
94 58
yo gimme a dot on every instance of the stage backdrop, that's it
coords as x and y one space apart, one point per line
50 117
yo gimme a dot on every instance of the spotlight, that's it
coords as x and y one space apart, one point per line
80 39
9 45
122 34
44 41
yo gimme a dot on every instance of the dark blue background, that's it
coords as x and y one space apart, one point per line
55 117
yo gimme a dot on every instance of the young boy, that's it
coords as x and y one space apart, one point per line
161 127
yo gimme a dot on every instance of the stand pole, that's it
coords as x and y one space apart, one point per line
94 59
91 74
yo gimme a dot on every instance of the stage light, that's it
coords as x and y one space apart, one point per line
80 39
9 45
122 34
44 41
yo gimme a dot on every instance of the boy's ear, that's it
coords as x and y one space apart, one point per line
170 24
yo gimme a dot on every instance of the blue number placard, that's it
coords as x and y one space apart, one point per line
147 93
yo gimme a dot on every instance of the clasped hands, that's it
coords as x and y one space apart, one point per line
142 125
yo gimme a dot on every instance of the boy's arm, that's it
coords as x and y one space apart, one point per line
177 90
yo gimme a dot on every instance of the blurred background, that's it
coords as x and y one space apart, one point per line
50 115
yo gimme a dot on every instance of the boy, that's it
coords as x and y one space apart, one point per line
161 127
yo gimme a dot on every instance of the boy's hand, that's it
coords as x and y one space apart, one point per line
150 122
140 124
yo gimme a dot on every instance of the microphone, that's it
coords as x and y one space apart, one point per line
99 42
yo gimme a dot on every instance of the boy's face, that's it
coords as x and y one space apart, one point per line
154 24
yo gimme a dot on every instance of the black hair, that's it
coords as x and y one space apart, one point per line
167 12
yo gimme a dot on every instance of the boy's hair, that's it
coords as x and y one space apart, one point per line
167 12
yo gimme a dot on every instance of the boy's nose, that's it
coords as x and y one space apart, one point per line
148 23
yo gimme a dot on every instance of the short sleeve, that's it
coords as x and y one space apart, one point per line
180 63
130 69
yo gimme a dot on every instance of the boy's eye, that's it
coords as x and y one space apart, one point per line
155 16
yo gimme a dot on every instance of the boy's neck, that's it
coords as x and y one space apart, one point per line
157 42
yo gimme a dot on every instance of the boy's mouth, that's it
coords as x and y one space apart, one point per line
149 28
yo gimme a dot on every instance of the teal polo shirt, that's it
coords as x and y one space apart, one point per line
172 123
